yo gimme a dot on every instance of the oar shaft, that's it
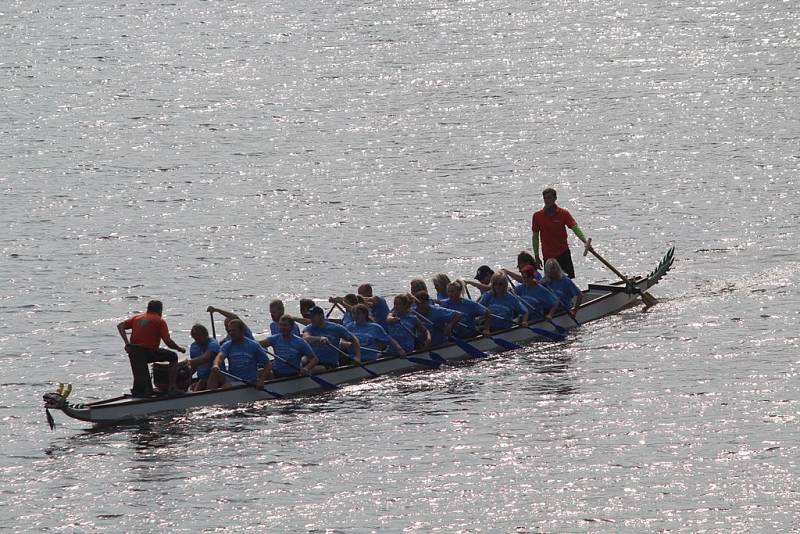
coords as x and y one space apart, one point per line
607 264
213 328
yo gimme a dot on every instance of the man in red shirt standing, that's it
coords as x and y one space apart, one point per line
551 223
148 330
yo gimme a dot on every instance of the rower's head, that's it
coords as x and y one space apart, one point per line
236 330
549 196
352 299
423 301
155 306
454 290
524 258
199 333
360 313
317 316
403 303
484 274
553 269
440 282
285 325
418 284
276 309
365 290
499 284
529 274
305 307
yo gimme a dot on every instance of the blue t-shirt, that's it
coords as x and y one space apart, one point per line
539 298
196 350
441 296
470 311
347 319
247 333
437 319
565 289
380 311
370 336
244 357
273 328
327 354
505 307
404 331
292 350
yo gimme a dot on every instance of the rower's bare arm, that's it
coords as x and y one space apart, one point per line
312 362
207 356
524 321
553 311
453 322
356 349
397 346
123 333
482 287
224 313
171 344
511 274
426 335
265 343
220 357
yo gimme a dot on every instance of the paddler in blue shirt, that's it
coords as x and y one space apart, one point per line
202 353
523 260
440 321
326 336
244 356
469 309
291 349
372 337
230 316
482 279
540 300
569 295
440 282
405 327
502 304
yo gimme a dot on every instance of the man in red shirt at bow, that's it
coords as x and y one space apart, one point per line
148 330
550 225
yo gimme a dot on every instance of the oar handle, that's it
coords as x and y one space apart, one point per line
590 248
213 329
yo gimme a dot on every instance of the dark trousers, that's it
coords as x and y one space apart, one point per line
140 358
565 261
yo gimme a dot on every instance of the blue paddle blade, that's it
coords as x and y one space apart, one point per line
547 333
509 345
437 357
560 329
471 350
322 382
424 361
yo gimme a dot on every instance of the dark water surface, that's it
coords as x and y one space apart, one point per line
229 153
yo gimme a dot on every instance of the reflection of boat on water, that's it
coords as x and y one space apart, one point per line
598 301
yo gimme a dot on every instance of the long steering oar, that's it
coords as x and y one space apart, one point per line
647 298
352 359
321 381
251 384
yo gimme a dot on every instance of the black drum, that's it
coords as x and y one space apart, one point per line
161 376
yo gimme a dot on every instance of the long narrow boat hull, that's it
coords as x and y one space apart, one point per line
598 301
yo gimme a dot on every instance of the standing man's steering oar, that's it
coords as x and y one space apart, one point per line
321 381
647 298
251 384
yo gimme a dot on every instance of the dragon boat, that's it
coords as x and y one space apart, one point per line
599 300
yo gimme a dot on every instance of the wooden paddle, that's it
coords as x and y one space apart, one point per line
647 298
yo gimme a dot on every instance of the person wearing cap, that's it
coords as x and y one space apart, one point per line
538 299
325 338
549 225
483 279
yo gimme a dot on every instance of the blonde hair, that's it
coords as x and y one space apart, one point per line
404 299
498 277
552 263
440 282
